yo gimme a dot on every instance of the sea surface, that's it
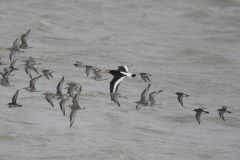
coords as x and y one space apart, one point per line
188 46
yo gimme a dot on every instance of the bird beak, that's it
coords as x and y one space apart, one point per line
106 71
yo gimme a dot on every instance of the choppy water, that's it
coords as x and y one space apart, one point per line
188 46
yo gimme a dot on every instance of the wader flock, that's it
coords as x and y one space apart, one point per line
74 88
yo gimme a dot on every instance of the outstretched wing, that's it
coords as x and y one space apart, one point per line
59 86
14 99
198 115
76 98
221 114
115 83
180 99
123 68
62 105
72 116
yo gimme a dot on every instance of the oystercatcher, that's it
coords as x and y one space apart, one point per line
118 76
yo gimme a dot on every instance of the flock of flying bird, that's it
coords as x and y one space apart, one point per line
118 76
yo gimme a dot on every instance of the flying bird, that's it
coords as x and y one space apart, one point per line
145 76
199 112
24 37
15 46
47 73
4 81
143 100
27 70
79 64
180 96
88 68
32 87
98 75
115 97
74 107
118 76
151 99
222 111
49 97
14 101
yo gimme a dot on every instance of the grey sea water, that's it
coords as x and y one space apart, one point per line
187 46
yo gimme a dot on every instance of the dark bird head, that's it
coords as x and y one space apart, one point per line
112 72
133 75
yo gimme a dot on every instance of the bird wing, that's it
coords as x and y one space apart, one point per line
224 107
14 99
138 106
49 99
33 81
72 116
27 70
13 61
180 99
117 102
76 98
12 54
59 86
8 72
46 74
33 68
122 68
147 78
24 38
50 74
62 105
16 43
198 115
221 114
88 68
144 93
70 90
115 83
143 76
152 95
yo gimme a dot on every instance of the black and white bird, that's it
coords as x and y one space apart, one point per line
180 96
222 111
199 112
14 101
118 76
